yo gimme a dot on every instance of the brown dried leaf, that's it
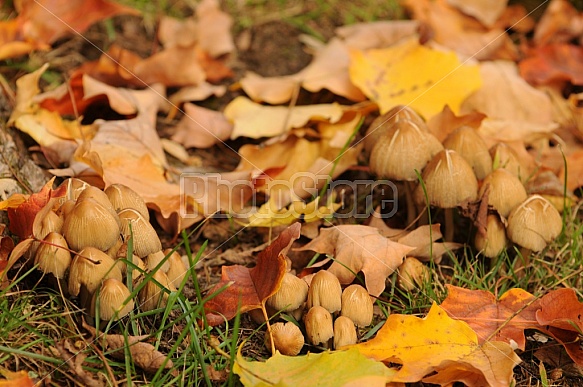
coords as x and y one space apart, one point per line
201 127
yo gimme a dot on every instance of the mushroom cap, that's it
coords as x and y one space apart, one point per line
534 223
449 181
494 242
152 296
146 240
319 327
505 157
89 267
412 274
50 223
153 260
287 338
291 294
177 270
112 295
89 224
357 305
468 144
344 332
506 191
325 291
400 152
53 257
121 262
74 187
385 123
122 197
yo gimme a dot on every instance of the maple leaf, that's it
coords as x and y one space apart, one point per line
247 289
327 368
269 215
399 75
201 127
438 343
360 248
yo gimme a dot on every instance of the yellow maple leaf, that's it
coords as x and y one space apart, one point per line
439 345
412 74
269 215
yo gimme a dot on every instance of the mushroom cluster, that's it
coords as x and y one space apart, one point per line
85 250
459 171
330 314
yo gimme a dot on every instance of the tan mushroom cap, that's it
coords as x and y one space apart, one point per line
412 274
494 242
122 197
154 259
177 270
292 293
325 291
468 144
357 305
287 338
89 267
111 297
152 296
146 241
505 157
385 123
89 224
319 327
399 153
344 332
449 181
50 223
534 223
506 191
53 256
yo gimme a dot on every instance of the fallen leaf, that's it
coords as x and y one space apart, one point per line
574 170
214 28
487 13
328 368
247 289
270 215
560 308
360 248
441 345
377 34
74 360
442 124
561 22
255 121
201 127
15 379
144 355
552 63
399 75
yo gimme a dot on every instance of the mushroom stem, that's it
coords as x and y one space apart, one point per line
411 209
449 226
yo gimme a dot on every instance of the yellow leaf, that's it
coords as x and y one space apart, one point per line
414 75
268 215
255 121
326 369
438 344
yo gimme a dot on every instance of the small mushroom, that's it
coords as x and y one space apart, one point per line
50 223
112 297
494 242
100 197
505 157
506 191
287 338
357 305
151 296
468 144
121 262
319 327
122 197
89 224
156 259
177 270
291 294
344 332
53 256
325 291
146 240
412 274
74 187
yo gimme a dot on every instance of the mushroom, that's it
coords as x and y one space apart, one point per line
400 153
412 274
319 327
291 294
157 261
506 191
122 197
151 296
112 301
325 291
146 240
177 270
100 197
534 223
287 338
344 332
50 223
449 181
53 255
468 144
494 242
89 224
357 305
505 157
121 262
74 187
89 267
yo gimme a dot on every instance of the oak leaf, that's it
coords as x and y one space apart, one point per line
360 248
399 75
441 345
247 289
327 368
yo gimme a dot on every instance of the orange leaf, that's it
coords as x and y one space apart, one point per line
561 309
552 63
249 288
15 379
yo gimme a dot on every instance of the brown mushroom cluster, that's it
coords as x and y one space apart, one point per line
460 171
85 251
330 315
